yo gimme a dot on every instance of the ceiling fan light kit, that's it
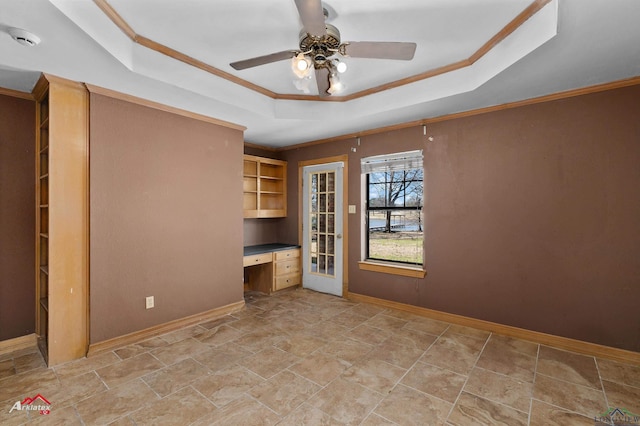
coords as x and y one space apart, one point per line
318 42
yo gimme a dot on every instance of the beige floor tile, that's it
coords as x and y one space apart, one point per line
366 310
473 410
375 420
129 369
284 392
327 330
406 406
84 365
247 324
244 411
468 331
505 343
73 389
27 384
215 323
307 415
347 349
300 344
379 366
501 357
580 399
624 374
12 418
500 388
374 374
397 354
349 319
174 377
543 414
221 356
183 333
260 339
367 334
138 348
288 324
427 325
227 385
181 408
454 352
179 350
269 362
320 368
28 362
105 407
436 381
414 338
622 396
219 335
386 322
571 367
350 410
59 416
7 368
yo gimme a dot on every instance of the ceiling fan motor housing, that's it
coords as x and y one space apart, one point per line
321 47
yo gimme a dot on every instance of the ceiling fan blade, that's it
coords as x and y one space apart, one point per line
312 16
380 49
262 60
322 80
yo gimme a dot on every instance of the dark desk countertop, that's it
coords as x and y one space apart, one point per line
267 248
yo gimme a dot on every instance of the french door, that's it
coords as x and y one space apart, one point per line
322 227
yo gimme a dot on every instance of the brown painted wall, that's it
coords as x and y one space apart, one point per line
532 216
17 217
166 216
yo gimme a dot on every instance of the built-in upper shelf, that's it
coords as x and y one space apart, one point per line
264 187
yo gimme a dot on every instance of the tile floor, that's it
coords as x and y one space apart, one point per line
305 358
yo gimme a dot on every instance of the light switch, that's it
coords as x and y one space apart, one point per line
352 209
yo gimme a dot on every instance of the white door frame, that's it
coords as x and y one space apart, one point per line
345 227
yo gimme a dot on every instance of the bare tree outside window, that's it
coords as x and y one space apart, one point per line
394 215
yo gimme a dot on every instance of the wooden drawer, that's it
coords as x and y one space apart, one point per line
257 259
286 281
286 267
287 254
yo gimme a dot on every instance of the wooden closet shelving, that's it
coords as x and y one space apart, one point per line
62 222
265 187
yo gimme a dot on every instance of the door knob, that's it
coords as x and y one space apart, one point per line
338 236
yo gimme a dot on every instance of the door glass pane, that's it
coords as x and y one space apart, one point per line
322 220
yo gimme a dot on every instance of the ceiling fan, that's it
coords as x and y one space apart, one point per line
319 42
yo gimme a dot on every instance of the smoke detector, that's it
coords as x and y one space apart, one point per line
24 37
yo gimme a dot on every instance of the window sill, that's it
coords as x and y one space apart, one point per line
385 268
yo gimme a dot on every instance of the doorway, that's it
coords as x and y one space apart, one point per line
323 227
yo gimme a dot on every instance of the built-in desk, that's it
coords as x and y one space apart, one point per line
272 267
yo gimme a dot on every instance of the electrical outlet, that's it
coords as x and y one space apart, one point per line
149 302
352 209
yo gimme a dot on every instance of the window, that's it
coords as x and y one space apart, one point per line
394 222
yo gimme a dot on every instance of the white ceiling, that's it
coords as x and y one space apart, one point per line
567 44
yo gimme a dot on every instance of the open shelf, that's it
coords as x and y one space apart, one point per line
265 187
